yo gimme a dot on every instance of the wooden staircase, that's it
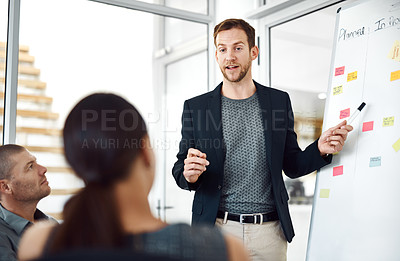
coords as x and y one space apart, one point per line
29 135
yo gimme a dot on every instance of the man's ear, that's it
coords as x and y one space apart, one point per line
5 187
254 52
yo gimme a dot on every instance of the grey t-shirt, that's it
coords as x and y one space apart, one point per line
247 184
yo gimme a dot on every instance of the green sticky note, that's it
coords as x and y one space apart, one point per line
396 145
324 193
375 162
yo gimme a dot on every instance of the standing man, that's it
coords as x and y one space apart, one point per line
236 140
22 185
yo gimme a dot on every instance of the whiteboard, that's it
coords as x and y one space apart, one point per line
356 210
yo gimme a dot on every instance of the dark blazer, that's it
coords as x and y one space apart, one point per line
202 129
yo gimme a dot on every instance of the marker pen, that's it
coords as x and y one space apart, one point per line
350 120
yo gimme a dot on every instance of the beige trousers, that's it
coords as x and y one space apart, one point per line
264 242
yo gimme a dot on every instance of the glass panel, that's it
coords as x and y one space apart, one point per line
71 58
235 9
182 83
68 59
3 39
196 6
179 31
3 20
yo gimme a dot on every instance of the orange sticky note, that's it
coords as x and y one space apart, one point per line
338 170
352 76
395 51
345 113
395 76
368 126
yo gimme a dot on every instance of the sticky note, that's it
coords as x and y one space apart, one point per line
394 53
338 90
375 162
388 121
345 113
368 126
338 170
352 76
395 75
396 145
339 71
324 193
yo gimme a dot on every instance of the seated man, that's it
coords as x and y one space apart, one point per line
22 185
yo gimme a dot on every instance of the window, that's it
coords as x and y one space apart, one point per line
70 57
115 50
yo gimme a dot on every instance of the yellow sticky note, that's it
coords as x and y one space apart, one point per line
395 76
352 76
388 121
337 90
394 53
324 193
396 145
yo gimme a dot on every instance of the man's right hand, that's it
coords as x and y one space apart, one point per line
195 165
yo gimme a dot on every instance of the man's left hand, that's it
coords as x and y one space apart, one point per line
332 140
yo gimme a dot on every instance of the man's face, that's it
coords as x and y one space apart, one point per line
28 181
234 55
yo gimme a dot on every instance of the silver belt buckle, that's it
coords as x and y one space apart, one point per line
242 216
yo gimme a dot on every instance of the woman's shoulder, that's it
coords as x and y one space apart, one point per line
34 240
198 242
194 233
191 242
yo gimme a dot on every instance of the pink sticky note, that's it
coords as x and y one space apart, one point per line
345 113
368 126
338 170
339 71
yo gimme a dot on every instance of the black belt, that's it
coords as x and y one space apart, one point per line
250 218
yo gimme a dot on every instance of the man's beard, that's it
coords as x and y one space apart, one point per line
29 192
242 73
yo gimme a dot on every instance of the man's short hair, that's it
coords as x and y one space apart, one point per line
6 164
236 23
